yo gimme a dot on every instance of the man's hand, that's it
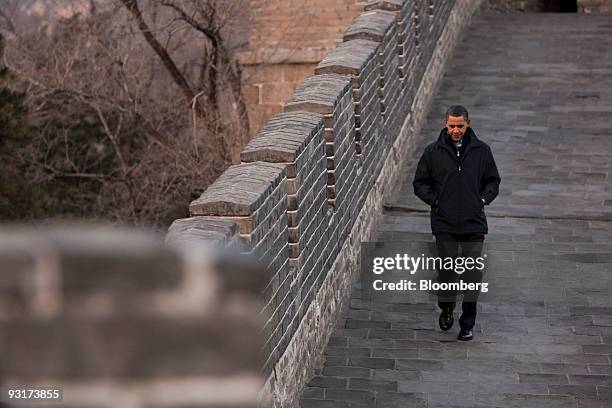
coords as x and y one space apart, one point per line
423 179
491 180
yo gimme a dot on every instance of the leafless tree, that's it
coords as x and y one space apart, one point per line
138 102
8 8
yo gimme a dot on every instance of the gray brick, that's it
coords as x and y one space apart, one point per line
318 403
356 398
580 391
352 372
371 362
328 382
397 400
543 378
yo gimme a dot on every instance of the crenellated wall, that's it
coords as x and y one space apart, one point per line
312 181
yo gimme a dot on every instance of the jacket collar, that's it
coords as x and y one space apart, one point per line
469 139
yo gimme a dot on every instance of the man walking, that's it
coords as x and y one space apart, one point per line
457 176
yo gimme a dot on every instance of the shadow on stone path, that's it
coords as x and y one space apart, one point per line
539 91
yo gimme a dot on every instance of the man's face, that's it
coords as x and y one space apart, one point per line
456 127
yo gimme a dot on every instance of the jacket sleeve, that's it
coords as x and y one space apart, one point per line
423 180
490 179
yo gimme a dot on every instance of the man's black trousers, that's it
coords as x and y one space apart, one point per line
460 245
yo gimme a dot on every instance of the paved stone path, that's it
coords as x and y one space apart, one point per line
539 90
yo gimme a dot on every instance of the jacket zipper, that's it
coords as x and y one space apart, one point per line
458 158
458 161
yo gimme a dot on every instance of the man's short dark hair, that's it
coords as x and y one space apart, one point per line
457 110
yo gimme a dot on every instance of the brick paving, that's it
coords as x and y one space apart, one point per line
539 91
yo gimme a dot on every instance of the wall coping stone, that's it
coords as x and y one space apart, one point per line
349 57
389 5
371 25
239 190
319 92
283 137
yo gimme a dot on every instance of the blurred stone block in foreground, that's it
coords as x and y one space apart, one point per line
120 319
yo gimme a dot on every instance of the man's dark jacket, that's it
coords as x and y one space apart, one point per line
454 185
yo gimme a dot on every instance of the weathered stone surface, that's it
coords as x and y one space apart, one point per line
115 312
390 5
371 25
288 32
319 93
140 348
283 138
205 230
240 190
348 58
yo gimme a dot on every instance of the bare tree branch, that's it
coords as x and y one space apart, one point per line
207 31
9 22
175 73
109 121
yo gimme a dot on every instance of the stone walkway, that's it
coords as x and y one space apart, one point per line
539 91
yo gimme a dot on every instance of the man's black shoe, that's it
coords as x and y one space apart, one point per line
465 335
446 319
